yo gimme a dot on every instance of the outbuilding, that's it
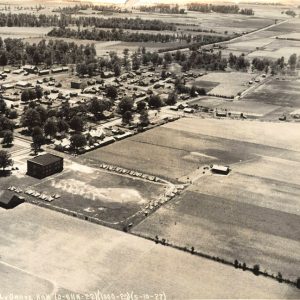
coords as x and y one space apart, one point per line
44 165
76 84
224 170
9 200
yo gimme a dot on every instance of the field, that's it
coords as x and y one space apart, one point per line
175 150
252 214
230 84
24 32
283 93
50 253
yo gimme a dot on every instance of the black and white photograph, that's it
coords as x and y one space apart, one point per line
149 149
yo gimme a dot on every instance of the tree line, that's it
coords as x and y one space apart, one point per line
16 52
163 8
42 20
225 9
113 35
125 36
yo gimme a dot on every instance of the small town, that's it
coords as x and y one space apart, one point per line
150 150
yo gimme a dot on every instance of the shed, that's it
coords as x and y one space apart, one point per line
75 84
224 170
9 200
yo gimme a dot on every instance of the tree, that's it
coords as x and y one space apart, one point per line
3 106
127 117
62 126
117 70
298 283
97 107
112 92
5 159
126 104
50 128
31 118
141 106
38 92
155 101
193 91
38 139
25 96
144 118
172 99
293 61
78 141
76 124
256 269
8 138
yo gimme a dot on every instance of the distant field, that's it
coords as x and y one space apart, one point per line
277 92
24 32
48 252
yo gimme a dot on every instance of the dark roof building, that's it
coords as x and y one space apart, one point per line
224 170
44 165
9 200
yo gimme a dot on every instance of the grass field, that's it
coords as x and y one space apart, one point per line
284 93
48 252
108 197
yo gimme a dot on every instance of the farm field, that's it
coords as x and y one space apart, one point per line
251 215
24 32
284 93
230 84
179 148
65 255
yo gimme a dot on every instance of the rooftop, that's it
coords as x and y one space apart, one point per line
45 159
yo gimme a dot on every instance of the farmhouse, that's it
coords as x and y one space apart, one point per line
224 170
44 165
9 200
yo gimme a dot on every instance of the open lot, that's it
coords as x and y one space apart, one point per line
252 214
52 253
108 197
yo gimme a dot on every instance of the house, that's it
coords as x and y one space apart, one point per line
107 74
44 165
75 84
44 72
7 86
23 84
18 71
57 70
188 110
224 170
30 68
9 200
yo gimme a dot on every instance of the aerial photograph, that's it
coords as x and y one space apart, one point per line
149 149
